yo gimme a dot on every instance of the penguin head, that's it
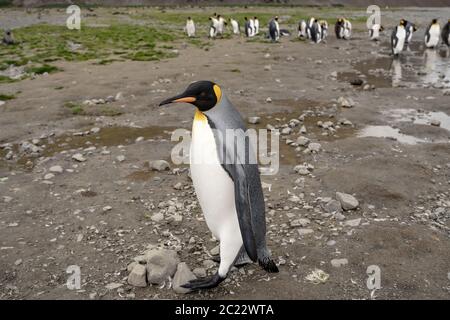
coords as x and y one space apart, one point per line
434 21
245 18
381 28
202 94
402 22
276 18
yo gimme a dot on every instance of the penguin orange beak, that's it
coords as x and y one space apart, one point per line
178 99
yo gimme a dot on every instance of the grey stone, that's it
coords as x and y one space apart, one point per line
302 222
56 169
337 263
157 217
137 276
303 231
159 165
332 206
348 202
161 264
200 272
182 276
353 222
254 120
302 141
78 157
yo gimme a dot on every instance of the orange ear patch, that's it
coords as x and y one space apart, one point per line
200 117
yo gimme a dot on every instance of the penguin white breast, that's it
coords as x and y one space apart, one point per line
213 185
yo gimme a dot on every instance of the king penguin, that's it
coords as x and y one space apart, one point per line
256 21
374 32
446 33
316 32
302 29
235 26
227 185
190 27
398 38
432 34
274 29
339 28
410 29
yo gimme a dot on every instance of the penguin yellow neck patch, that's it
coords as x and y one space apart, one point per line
218 92
200 117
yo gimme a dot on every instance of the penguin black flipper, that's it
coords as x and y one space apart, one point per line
427 34
249 197
394 39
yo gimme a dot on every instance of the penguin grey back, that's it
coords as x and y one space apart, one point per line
249 196
273 30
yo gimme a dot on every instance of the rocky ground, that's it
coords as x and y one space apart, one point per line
363 180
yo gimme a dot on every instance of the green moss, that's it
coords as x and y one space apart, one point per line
46 43
75 108
5 97
46 68
4 79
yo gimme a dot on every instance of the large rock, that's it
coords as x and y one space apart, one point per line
182 276
161 264
137 276
348 202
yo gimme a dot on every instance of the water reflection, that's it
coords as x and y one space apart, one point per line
415 67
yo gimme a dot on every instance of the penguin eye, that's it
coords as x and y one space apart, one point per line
203 94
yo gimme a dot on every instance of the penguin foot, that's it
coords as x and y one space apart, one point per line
204 283
268 265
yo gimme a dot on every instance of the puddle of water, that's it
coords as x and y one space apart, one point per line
416 117
107 137
415 67
389 133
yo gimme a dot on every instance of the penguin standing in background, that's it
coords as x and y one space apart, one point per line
226 180
274 30
302 33
324 27
8 38
446 33
213 27
235 26
374 32
247 28
398 38
339 28
432 34
316 32
410 29
221 23
190 27
256 21
309 27
252 27
347 29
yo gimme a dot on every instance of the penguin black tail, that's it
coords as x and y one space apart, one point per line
268 264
